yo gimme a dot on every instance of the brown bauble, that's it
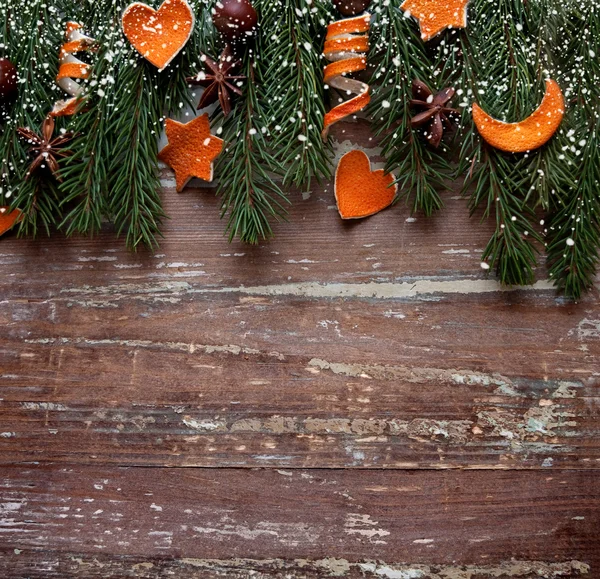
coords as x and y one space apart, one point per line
351 7
8 80
235 19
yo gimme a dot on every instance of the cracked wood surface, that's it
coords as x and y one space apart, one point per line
374 354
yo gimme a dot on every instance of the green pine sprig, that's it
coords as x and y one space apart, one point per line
31 38
293 87
496 65
573 230
249 186
398 57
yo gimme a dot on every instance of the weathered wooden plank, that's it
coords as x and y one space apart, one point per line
424 518
52 564
527 334
174 405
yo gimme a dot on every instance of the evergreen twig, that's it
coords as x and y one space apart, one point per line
398 57
293 85
250 195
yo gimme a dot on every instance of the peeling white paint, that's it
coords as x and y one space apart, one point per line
588 329
189 348
372 290
389 290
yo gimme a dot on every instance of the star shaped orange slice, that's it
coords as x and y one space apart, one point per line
437 15
191 150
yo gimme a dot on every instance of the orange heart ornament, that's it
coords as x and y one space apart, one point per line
159 35
360 192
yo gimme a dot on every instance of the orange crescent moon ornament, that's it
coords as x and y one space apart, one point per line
535 131
346 45
434 16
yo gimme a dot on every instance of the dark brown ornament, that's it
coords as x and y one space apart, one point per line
218 80
8 80
351 7
45 148
235 19
434 115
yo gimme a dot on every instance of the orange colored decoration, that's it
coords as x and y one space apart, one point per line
72 68
8 218
346 46
437 15
191 150
360 192
159 35
526 135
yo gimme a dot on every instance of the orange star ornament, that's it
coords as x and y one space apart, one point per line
437 15
191 150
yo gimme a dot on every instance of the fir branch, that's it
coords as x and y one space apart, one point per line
33 37
398 56
250 195
294 89
133 184
574 226
498 45
574 229
86 172
497 192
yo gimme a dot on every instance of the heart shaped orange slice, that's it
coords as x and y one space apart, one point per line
8 218
159 35
360 192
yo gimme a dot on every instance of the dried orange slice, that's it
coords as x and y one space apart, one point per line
159 35
8 218
437 15
360 192
535 131
191 150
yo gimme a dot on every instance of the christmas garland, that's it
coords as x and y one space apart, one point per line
504 95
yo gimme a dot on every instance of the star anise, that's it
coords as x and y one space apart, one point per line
45 148
435 115
218 80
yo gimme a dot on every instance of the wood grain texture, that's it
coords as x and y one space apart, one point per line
419 517
425 400
125 402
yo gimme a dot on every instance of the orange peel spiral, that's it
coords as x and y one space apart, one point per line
72 69
346 45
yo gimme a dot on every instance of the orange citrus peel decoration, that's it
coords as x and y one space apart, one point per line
346 46
535 131
159 35
191 150
360 192
72 68
434 16
8 218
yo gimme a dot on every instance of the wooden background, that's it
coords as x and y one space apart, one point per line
350 400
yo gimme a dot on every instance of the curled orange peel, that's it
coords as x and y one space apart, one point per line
72 69
346 45
529 134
